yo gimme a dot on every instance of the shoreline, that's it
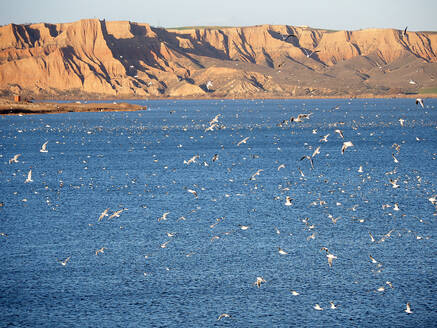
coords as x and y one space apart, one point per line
52 106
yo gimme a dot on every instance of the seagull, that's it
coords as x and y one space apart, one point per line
64 262
255 174
44 147
371 237
408 309
116 214
281 166
333 306
360 169
164 245
401 121
394 158
223 315
104 213
317 307
419 101
100 250
316 151
215 157
258 281
346 145
340 133
211 127
310 159
29 177
373 259
192 192
294 293
14 159
164 216
243 227
325 138
288 201
281 251
394 183
191 160
329 256
214 120
243 141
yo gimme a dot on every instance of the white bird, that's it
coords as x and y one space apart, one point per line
258 281
433 200
333 306
116 214
346 145
191 191
288 201
164 245
330 256
44 147
64 262
360 169
29 177
317 307
244 227
316 151
191 160
340 133
394 158
401 121
214 120
14 159
419 101
281 166
164 216
255 174
100 250
394 183
223 315
103 214
281 251
325 138
294 293
371 237
373 259
243 141
408 309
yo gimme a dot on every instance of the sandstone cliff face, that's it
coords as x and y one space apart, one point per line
125 59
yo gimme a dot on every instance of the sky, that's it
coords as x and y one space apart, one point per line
418 15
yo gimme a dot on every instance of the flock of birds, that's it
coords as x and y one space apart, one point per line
215 125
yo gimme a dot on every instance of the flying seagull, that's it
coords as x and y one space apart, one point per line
14 159
346 145
255 174
258 281
44 147
419 101
223 315
243 141
29 177
309 158
104 213
408 309
329 256
64 262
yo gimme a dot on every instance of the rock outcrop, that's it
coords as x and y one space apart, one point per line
93 58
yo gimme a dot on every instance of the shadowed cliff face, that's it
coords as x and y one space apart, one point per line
125 59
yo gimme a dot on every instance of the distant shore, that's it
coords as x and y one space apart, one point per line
9 107
51 106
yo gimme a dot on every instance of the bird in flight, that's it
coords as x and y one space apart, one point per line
100 250
44 147
104 213
243 141
288 201
281 251
14 159
164 216
29 177
191 191
223 315
64 262
255 174
116 214
259 281
419 101
346 145
408 309
340 133
310 159
309 54
329 256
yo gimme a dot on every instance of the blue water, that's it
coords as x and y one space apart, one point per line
135 161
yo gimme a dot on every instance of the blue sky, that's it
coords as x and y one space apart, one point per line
418 15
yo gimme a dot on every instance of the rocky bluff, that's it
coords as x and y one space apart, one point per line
93 58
